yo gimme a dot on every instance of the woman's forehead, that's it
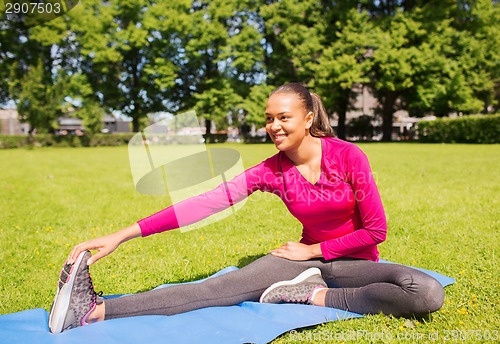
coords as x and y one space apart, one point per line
283 102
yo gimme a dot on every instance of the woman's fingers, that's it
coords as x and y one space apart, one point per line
283 248
88 245
280 251
100 254
73 254
105 245
292 251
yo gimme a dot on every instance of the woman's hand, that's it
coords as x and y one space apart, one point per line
298 251
105 245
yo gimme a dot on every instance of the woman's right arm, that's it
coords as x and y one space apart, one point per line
196 208
181 214
105 245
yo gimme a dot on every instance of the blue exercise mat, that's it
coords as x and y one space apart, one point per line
248 322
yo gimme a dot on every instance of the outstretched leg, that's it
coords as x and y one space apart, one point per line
359 286
246 284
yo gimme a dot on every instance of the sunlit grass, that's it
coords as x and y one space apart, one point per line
441 202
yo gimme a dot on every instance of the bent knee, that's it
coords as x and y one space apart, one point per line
435 298
430 298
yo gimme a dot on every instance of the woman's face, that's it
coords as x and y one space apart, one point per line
287 122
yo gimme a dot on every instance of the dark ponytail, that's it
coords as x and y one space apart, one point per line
321 124
312 102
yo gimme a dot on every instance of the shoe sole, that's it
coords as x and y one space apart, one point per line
60 305
300 278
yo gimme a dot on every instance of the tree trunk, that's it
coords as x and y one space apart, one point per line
135 125
387 127
342 113
341 130
208 126
135 87
387 115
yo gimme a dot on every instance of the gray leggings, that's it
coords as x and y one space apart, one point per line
359 286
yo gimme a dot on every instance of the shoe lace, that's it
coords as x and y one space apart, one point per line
96 296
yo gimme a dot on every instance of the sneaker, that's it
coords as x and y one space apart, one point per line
298 290
75 296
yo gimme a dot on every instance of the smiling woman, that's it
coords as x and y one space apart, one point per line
293 99
292 110
326 183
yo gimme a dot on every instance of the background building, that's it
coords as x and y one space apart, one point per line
10 124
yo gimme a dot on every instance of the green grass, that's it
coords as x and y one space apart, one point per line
441 202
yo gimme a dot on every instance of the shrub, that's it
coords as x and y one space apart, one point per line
13 141
215 138
50 140
467 129
107 139
361 127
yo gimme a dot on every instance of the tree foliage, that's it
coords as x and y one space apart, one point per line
38 103
344 64
223 57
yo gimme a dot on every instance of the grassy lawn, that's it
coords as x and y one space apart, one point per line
442 204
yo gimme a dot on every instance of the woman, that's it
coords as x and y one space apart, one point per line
327 184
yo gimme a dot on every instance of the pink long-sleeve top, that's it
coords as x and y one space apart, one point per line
342 211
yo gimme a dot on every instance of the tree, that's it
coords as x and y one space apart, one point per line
217 104
343 65
434 57
9 46
38 103
141 56
92 115
255 104
243 55
440 82
18 53
482 55
225 45
393 66
83 104
293 31
42 93
126 50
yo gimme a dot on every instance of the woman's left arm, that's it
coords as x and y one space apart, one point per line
373 228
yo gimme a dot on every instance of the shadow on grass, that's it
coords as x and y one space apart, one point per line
249 259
